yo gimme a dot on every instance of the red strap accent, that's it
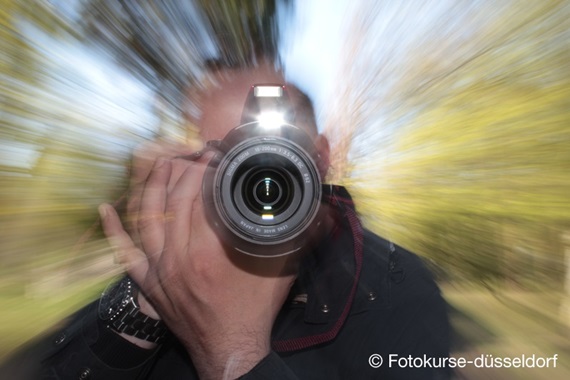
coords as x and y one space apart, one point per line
312 340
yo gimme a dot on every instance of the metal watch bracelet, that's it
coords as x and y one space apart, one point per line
135 323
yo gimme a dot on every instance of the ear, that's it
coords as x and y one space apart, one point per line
323 149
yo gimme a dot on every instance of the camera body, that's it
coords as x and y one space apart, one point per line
262 189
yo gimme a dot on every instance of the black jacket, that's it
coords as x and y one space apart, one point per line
358 296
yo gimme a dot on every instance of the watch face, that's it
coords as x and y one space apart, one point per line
114 298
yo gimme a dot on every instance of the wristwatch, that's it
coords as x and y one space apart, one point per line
118 307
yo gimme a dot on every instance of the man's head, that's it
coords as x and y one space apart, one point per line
222 101
263 194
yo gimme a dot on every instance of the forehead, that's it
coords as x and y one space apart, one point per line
221 103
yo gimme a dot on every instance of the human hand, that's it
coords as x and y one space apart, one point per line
219 303
142 163
144 158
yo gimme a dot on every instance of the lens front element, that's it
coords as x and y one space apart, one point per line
267 192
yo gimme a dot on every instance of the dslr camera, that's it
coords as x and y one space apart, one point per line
262 189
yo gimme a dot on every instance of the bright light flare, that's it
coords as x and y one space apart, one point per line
271 120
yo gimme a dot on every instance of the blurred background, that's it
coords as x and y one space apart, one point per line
449 122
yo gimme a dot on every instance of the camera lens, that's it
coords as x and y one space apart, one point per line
267 192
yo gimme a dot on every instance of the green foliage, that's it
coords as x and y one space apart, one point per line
483 154
23 318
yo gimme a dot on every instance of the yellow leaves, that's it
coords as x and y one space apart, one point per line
463 133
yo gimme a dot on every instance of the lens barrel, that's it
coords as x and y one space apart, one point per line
262 190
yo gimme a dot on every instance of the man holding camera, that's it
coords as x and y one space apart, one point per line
195 305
